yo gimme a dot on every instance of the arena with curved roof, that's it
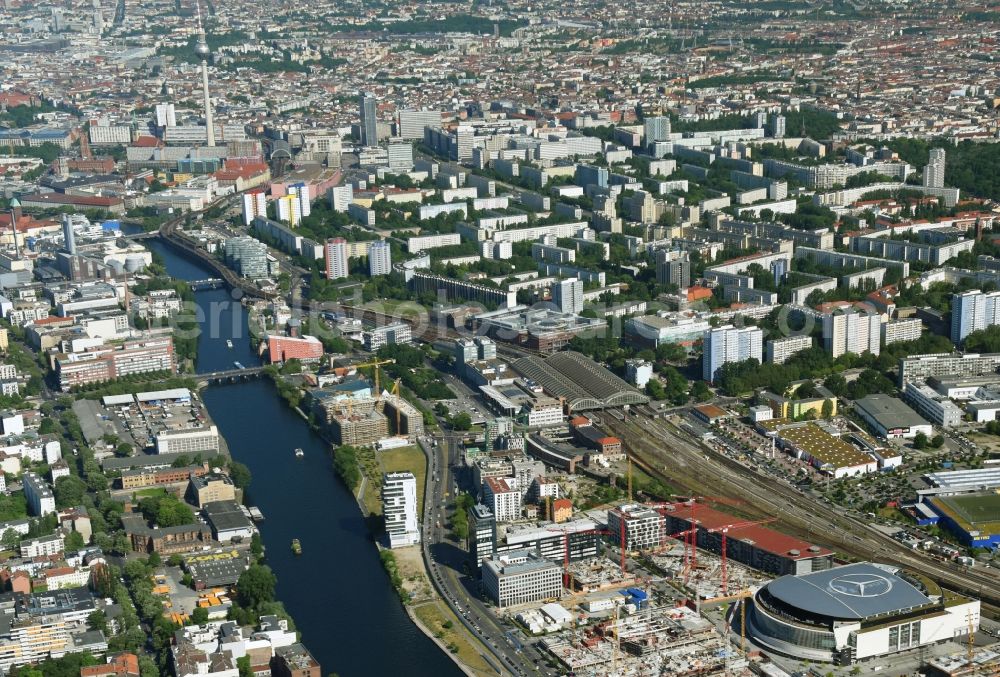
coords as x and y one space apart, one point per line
854 612
581 381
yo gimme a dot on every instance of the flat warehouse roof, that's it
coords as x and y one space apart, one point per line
823 446
761 537
890 412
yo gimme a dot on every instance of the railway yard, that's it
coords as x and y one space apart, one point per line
669 453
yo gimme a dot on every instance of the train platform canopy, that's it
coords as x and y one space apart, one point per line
583 383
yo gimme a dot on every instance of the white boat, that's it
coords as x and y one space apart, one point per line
299 453
255 514
229 344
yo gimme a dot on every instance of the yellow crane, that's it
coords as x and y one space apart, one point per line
970 652
378 369
396 404
742 597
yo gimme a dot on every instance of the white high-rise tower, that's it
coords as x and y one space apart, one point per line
203 52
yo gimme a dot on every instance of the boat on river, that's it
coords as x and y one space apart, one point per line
296 546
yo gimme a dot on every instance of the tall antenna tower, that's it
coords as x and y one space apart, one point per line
202 51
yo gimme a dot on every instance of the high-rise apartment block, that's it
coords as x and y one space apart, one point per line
341 197
38 495
971 311
851 332
656 129
254 204
568 295
399 506
934 171
722 345
778 126
673 267
247 256
379 258
780 349
336 258
294 205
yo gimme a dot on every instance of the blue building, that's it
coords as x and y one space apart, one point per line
589 175
974 518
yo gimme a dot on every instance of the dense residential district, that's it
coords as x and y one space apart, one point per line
499 338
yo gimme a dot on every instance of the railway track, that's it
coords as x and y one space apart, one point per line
702 471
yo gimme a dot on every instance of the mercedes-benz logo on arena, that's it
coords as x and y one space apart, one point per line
861 585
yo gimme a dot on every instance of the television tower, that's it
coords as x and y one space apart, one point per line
203 52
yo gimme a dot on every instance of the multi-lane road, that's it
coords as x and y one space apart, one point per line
508 652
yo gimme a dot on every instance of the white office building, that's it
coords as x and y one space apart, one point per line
189 441
726 344
638 372
503 498
389 334
399 507
851 332
935 407
166 115
412 122
400 156
644 527
520 577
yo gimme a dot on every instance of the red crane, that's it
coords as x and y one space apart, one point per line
724 530
566 534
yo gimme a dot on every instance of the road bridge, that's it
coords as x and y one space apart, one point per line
231 375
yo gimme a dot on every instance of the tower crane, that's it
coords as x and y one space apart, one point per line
377 364
724 531
566 534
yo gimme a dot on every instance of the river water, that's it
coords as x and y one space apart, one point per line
337 592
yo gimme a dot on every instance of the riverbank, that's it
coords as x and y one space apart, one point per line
419 598
337 587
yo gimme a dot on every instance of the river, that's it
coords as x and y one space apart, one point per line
337 592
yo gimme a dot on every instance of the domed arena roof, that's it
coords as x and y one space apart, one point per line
851 592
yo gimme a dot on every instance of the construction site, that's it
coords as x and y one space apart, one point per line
636 608
358 416
670 593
